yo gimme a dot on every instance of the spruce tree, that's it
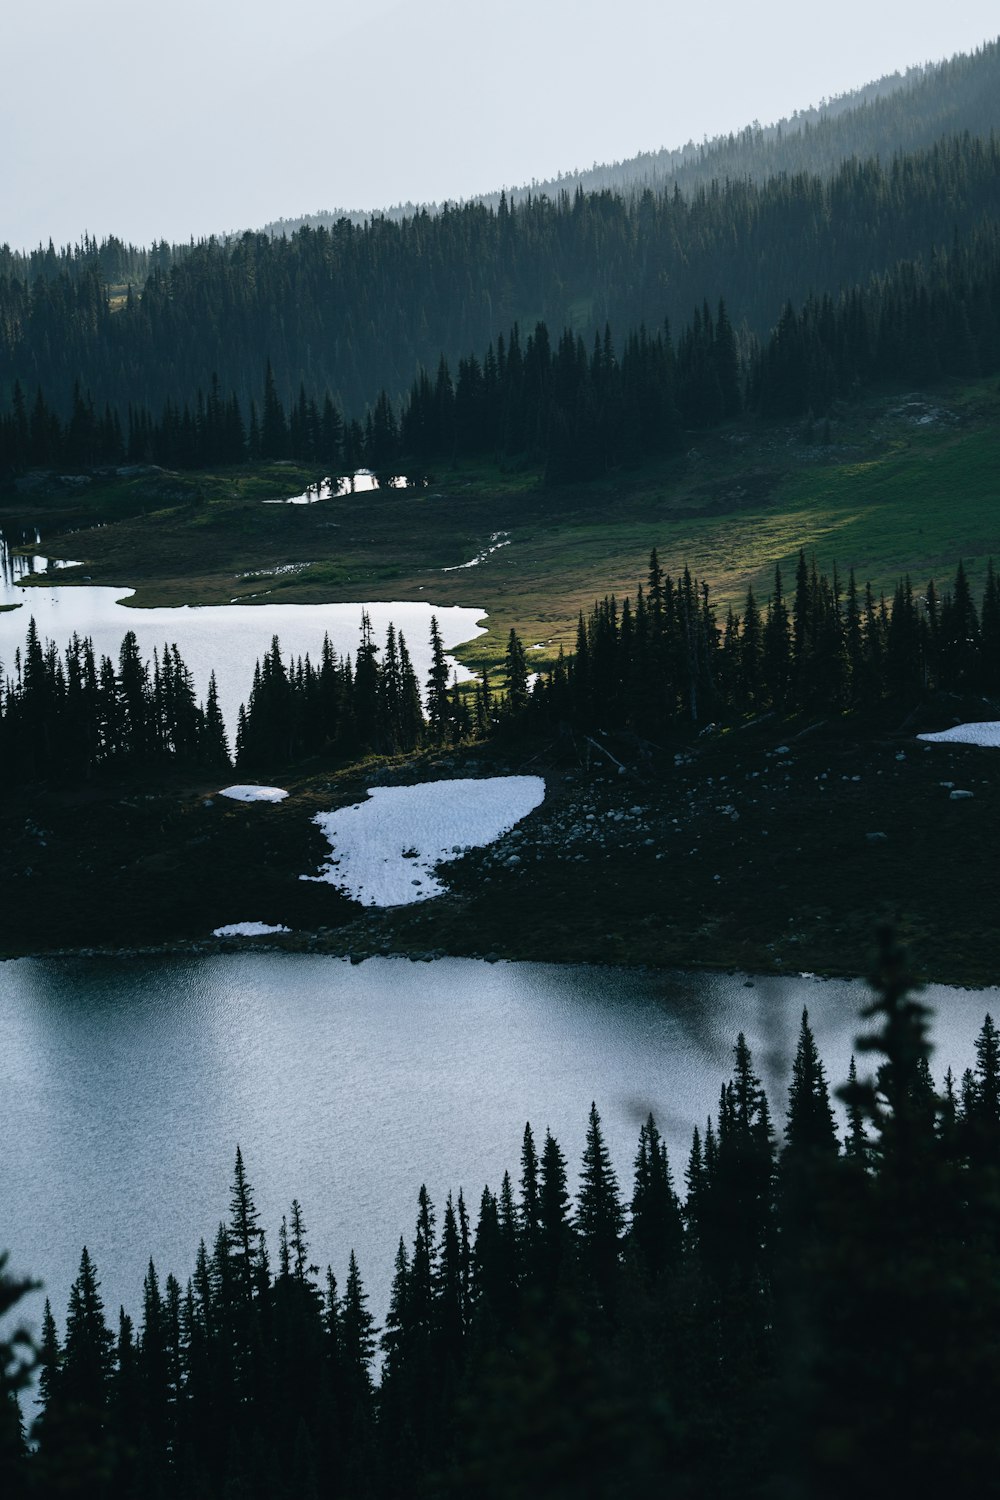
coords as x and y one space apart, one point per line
396 1335
655 1233
600 1217
87 1350
450 1307
358 1332
530 1206
214 751
246 1253
810 1126
516 669
437 686
555 1234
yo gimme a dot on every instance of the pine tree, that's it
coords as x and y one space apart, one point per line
901 1106
516 669
555 1234
450 1307
530 1207
152 1361
655 1233
741 1196
600 1217
411 714
810 1125
247 1255
87 1350
214 751
358 1332
981 1099
423 1266
437 686
395 1339
273 427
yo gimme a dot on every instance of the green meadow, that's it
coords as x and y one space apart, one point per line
900 484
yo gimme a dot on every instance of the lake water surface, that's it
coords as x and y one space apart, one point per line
225 638
128 1083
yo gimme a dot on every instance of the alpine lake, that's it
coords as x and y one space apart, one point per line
129 1081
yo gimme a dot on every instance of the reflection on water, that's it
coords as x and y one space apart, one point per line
360 482
130 1082
225 638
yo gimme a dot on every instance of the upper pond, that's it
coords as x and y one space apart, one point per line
362 481
129 1083
225 638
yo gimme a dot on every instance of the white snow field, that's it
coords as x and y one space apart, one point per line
987 733
254 793
384 850
249 929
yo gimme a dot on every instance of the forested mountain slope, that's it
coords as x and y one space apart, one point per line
355 310
900 112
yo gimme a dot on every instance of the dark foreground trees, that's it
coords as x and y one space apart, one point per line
811 1321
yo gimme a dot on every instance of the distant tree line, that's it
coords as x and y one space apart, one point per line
657 663
815 1316
572 411
662 659
64 716
897 113
356 309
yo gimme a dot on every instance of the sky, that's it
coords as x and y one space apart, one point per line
205 116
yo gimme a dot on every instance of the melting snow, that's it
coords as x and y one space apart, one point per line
987 733
384 850
249 929
254 793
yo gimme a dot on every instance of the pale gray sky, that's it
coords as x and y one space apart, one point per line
208 115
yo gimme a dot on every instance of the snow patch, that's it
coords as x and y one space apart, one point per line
384 850
986 733
254 793
249 929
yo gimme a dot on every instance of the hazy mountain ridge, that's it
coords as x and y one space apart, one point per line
359 309
898 112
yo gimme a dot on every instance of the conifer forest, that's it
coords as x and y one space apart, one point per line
805 1313
662 497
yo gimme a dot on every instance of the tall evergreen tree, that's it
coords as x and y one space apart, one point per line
810 1125
600 1217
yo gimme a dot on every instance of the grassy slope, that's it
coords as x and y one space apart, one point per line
888 495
